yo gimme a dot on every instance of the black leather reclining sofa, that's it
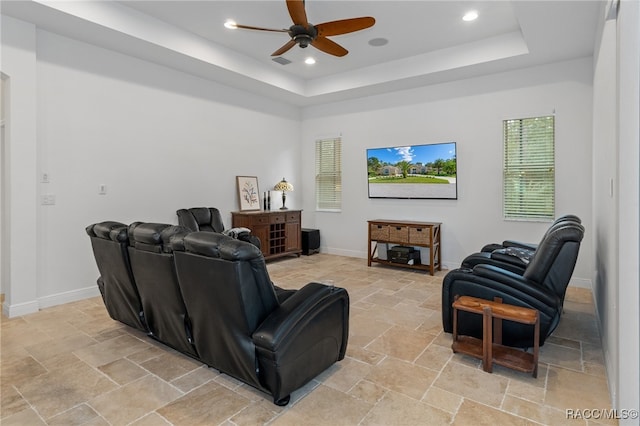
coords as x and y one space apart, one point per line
210 297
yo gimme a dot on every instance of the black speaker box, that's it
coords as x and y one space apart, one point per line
310 241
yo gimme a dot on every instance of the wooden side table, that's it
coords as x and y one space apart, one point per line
490 349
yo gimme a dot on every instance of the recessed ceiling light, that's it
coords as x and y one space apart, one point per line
378 41
231 24
471 15
309 61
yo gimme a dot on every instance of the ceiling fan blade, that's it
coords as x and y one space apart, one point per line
297 12
284 48
328 46
248 27
344 26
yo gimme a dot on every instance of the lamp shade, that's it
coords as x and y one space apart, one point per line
283 185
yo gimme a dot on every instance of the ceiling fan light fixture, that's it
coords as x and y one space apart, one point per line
310 61
471 15
303 33
231 24
303 40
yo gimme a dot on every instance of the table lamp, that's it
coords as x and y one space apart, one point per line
283 186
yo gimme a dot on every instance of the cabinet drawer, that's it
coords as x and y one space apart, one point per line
379 232
293 217
420 235
399 234
277 218
259 220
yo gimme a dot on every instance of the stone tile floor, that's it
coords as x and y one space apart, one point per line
73 365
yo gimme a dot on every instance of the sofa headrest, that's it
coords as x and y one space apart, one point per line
154 237
216 245
109 230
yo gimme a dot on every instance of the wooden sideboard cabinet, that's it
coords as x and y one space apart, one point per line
280 232
421 235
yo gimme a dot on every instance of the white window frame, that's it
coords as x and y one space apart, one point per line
529 168
328 175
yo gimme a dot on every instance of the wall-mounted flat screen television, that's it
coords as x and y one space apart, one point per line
413 171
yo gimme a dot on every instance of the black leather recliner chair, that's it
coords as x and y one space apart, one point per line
512 255
110 241
201 219
153 267
541 286
209 219
240 326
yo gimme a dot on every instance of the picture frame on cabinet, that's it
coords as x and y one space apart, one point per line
248 193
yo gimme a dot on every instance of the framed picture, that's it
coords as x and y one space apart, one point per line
248 193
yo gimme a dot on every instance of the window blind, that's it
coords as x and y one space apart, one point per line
529 168
329 174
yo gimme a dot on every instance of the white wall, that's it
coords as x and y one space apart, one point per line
469 112
606 197
3 169
616 213
158 139
19 166
628 386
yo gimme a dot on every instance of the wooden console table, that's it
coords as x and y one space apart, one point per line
408 233
280 231
490 349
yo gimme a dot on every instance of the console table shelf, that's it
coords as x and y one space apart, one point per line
408 233
280 232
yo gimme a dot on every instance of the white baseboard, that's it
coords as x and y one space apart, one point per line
19 309
33 306
342 252
68 296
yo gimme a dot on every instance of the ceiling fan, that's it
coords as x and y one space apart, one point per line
303 33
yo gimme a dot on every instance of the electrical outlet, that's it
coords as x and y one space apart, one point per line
102 189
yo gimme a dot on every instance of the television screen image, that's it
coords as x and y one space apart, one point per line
413 171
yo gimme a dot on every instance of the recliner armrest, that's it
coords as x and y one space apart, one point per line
514 255
302 337
491 247
504 261
296 311
516 282
519 244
